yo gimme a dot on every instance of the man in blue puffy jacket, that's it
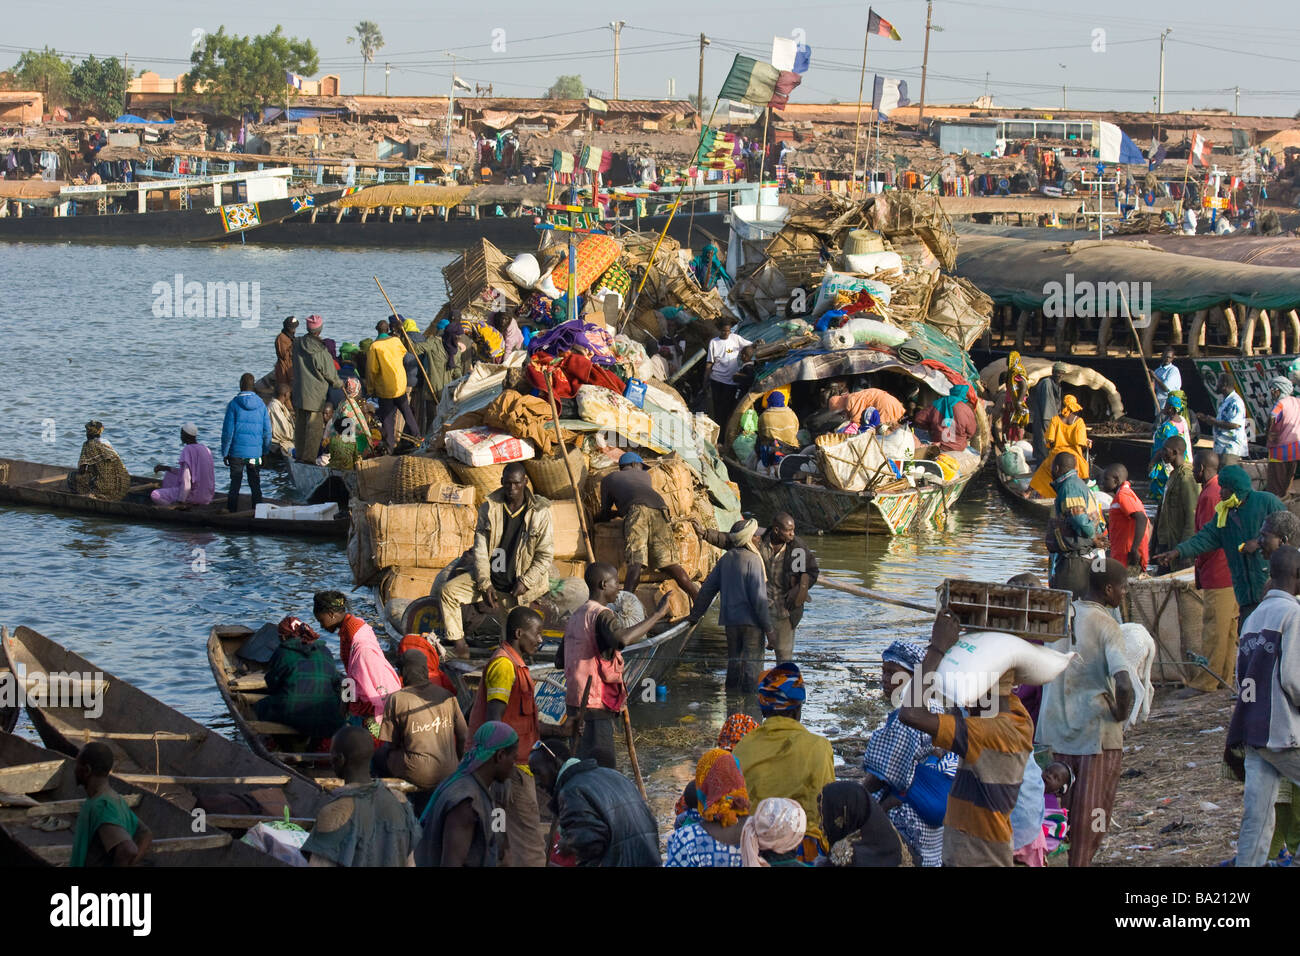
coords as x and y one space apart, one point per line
245 438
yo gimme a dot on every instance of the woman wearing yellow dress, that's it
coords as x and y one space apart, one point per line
1065 432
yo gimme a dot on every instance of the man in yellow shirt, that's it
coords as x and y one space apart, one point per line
782 758
386 380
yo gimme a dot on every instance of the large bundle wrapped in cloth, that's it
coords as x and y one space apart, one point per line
361 549
426 535
524 416
852 462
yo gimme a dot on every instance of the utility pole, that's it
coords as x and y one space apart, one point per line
699 89
1236 101
1064 98
388 69
617 27
1160 98
451 102
925 62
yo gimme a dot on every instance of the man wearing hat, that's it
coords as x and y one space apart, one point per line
741 579
386 380
648 537
284 352
783 758
1044 405
313 377
194 480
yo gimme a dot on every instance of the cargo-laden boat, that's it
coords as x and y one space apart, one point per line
72 702
45 487
855 484
174 210
39 785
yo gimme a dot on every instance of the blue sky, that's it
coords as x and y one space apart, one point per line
1021 51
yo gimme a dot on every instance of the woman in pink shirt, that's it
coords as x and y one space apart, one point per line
1283 436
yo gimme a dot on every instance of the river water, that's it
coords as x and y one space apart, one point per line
89 336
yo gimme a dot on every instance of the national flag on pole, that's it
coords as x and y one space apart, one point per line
788 55
293 79
750 81
785 84
881 27
887 95
597 105
1200 151
458 84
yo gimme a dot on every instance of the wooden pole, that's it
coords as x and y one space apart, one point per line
1151 385
407 339
825 581
762 157
672 211
568 466
857 128
631 754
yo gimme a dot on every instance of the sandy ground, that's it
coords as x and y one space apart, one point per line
1174 805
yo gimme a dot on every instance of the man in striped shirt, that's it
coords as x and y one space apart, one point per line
993 743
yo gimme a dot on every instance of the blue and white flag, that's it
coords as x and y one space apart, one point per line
293 79
790 56
887 95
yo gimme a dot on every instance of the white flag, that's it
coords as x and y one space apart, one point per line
459 84
784 50
887 95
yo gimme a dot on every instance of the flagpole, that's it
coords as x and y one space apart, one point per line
762 157
451 108
862 78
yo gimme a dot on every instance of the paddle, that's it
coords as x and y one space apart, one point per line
406 338
873 595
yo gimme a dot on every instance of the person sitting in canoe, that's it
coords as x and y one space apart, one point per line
100 472
1065 433
194 479
108 833
281 411
423 733
304 689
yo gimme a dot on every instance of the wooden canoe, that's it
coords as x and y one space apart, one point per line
40 784
179 758
10 705
242 683
645 664
1039 508
45 487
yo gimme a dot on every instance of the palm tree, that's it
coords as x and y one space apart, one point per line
371 40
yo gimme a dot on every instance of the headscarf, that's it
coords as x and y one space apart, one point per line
330 601
94 429
1175 401
1283 385
1060 367
720 786
745 536
776 400
846 807
1018 389
409 325
1071 404
777 824
946 403
1234 479
352 387
295 627
734 729
781 689
489 740
903 653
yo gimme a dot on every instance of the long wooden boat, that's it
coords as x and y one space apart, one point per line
45 486
651 659
1040 508
309 478
242 684
175 756
39 784
180 210
893 511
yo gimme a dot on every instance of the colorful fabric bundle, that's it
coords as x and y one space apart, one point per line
615 279
566 335
720 785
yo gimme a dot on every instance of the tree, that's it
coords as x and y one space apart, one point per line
567 88
708 103
371 40
236 75
98 86
46 71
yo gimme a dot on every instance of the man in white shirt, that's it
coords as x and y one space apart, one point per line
1083 711
1229 422
721 365
1168 379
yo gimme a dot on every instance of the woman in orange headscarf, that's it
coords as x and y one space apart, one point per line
1065 432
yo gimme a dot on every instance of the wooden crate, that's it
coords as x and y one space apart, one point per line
1040 614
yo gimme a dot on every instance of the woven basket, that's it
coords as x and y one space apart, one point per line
413 475
550 478
484 479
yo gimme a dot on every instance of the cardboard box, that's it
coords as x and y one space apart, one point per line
449 494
